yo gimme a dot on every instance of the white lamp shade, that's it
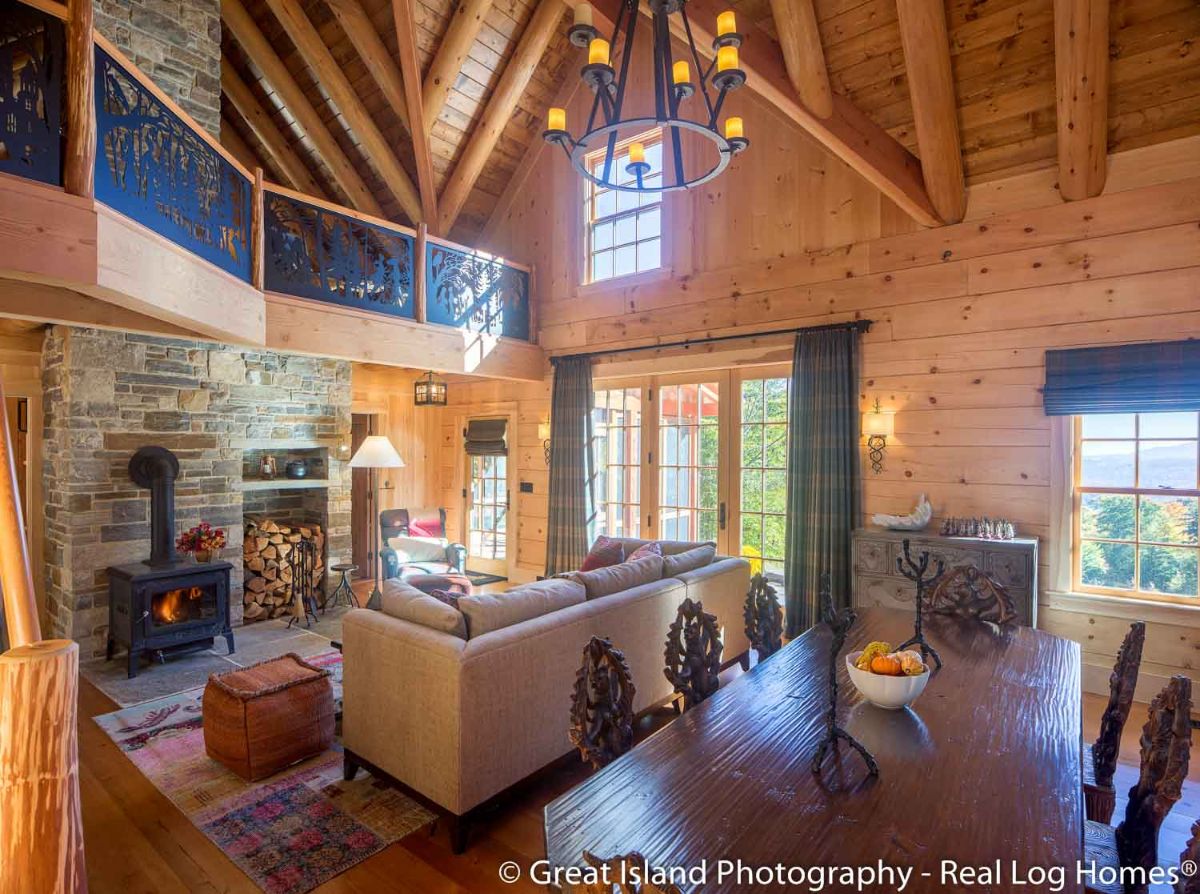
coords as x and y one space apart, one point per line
376 452
879 423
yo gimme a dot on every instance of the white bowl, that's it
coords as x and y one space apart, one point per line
892 693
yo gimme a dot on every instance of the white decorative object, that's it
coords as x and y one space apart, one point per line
914 521
891 693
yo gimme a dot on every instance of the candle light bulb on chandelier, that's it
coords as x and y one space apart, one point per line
680 72
598 52
727 58
726 23
733 128
582 31
583 14
556 119
637 154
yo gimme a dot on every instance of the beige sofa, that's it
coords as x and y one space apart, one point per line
458 721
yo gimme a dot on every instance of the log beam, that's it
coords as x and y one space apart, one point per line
295 172
410 65
517 72
800 41
451 52
237 146
1081 83
244 30
79 163
935 110
330 76
374 52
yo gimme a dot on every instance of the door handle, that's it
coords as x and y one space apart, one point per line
721 516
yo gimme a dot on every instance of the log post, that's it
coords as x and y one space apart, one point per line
41 830
16 580
420 279
79 165
257 232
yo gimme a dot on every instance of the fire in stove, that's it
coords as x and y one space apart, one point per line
172 606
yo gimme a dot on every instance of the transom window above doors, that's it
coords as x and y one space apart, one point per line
624 229
1136 502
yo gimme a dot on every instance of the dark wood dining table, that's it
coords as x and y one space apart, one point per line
982 770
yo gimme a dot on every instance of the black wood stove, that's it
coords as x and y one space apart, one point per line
165 605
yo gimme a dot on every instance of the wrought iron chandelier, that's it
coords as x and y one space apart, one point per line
673 91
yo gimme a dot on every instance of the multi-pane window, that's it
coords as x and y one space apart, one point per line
689 447
488 523
616 457
624 228
763 502
1136 502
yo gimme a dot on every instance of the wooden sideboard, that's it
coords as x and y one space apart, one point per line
878 582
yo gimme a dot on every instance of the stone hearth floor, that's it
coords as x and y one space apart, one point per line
252 643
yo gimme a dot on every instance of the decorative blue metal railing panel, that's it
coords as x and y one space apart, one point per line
316 253
153 168
475 292
32 61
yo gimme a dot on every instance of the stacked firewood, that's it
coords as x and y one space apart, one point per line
266 554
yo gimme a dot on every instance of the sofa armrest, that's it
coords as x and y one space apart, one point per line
402 702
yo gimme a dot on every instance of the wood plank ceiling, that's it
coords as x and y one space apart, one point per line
1002 56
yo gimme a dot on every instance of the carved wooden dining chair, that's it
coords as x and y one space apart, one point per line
1190 884
693 655
602 704
630 866
1166 744
1100 758
968 592
764 618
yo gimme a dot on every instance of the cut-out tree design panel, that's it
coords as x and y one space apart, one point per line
32 58
316 253
152 167
476 292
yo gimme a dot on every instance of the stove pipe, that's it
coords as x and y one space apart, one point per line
157 468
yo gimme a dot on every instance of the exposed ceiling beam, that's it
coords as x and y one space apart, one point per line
260 51
517 72
847 133
410 65
803 56
926 45
295 172
447 62
232 140
329 75
1081 75
374 52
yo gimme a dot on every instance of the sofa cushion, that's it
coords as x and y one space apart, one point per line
652 548
605 551
677 564
409 604
486 612
624 576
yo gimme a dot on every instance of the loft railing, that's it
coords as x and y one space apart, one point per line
130 147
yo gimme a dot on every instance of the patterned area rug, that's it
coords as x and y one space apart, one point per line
290 832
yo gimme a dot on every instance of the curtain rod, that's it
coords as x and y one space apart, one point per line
857 325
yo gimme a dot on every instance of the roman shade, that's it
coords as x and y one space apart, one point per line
1143 378
487 437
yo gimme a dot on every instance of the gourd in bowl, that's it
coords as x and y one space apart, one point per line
886 679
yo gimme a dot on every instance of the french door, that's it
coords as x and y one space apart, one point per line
487 492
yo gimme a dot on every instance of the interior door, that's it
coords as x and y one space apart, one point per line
692 483
490 523
758 500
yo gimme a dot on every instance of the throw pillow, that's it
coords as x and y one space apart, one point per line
447 596
623 576
653 548
680 563
604 552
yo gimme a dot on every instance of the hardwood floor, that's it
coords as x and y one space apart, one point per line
137 842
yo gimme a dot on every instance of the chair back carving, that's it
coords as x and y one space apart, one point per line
622 874
1120 699
1190 884
602 704
1166 743
693 653
764 618
967 592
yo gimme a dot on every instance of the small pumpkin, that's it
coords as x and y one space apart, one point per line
886 665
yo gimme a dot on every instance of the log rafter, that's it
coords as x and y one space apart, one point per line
1081 67
410 66
800 42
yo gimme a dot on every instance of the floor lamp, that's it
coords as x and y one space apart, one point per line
376 452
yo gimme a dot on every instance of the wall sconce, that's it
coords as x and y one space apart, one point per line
878 426
429 392
544 437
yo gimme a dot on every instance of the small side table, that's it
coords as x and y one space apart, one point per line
344 593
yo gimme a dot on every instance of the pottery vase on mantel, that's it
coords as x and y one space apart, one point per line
203 556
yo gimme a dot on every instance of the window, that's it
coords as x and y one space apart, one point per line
1136 499
624 229
488 521
616 459
763 500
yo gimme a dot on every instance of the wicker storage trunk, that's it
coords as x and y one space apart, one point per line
270 715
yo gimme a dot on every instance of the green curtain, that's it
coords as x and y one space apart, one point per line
571 473
823 470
